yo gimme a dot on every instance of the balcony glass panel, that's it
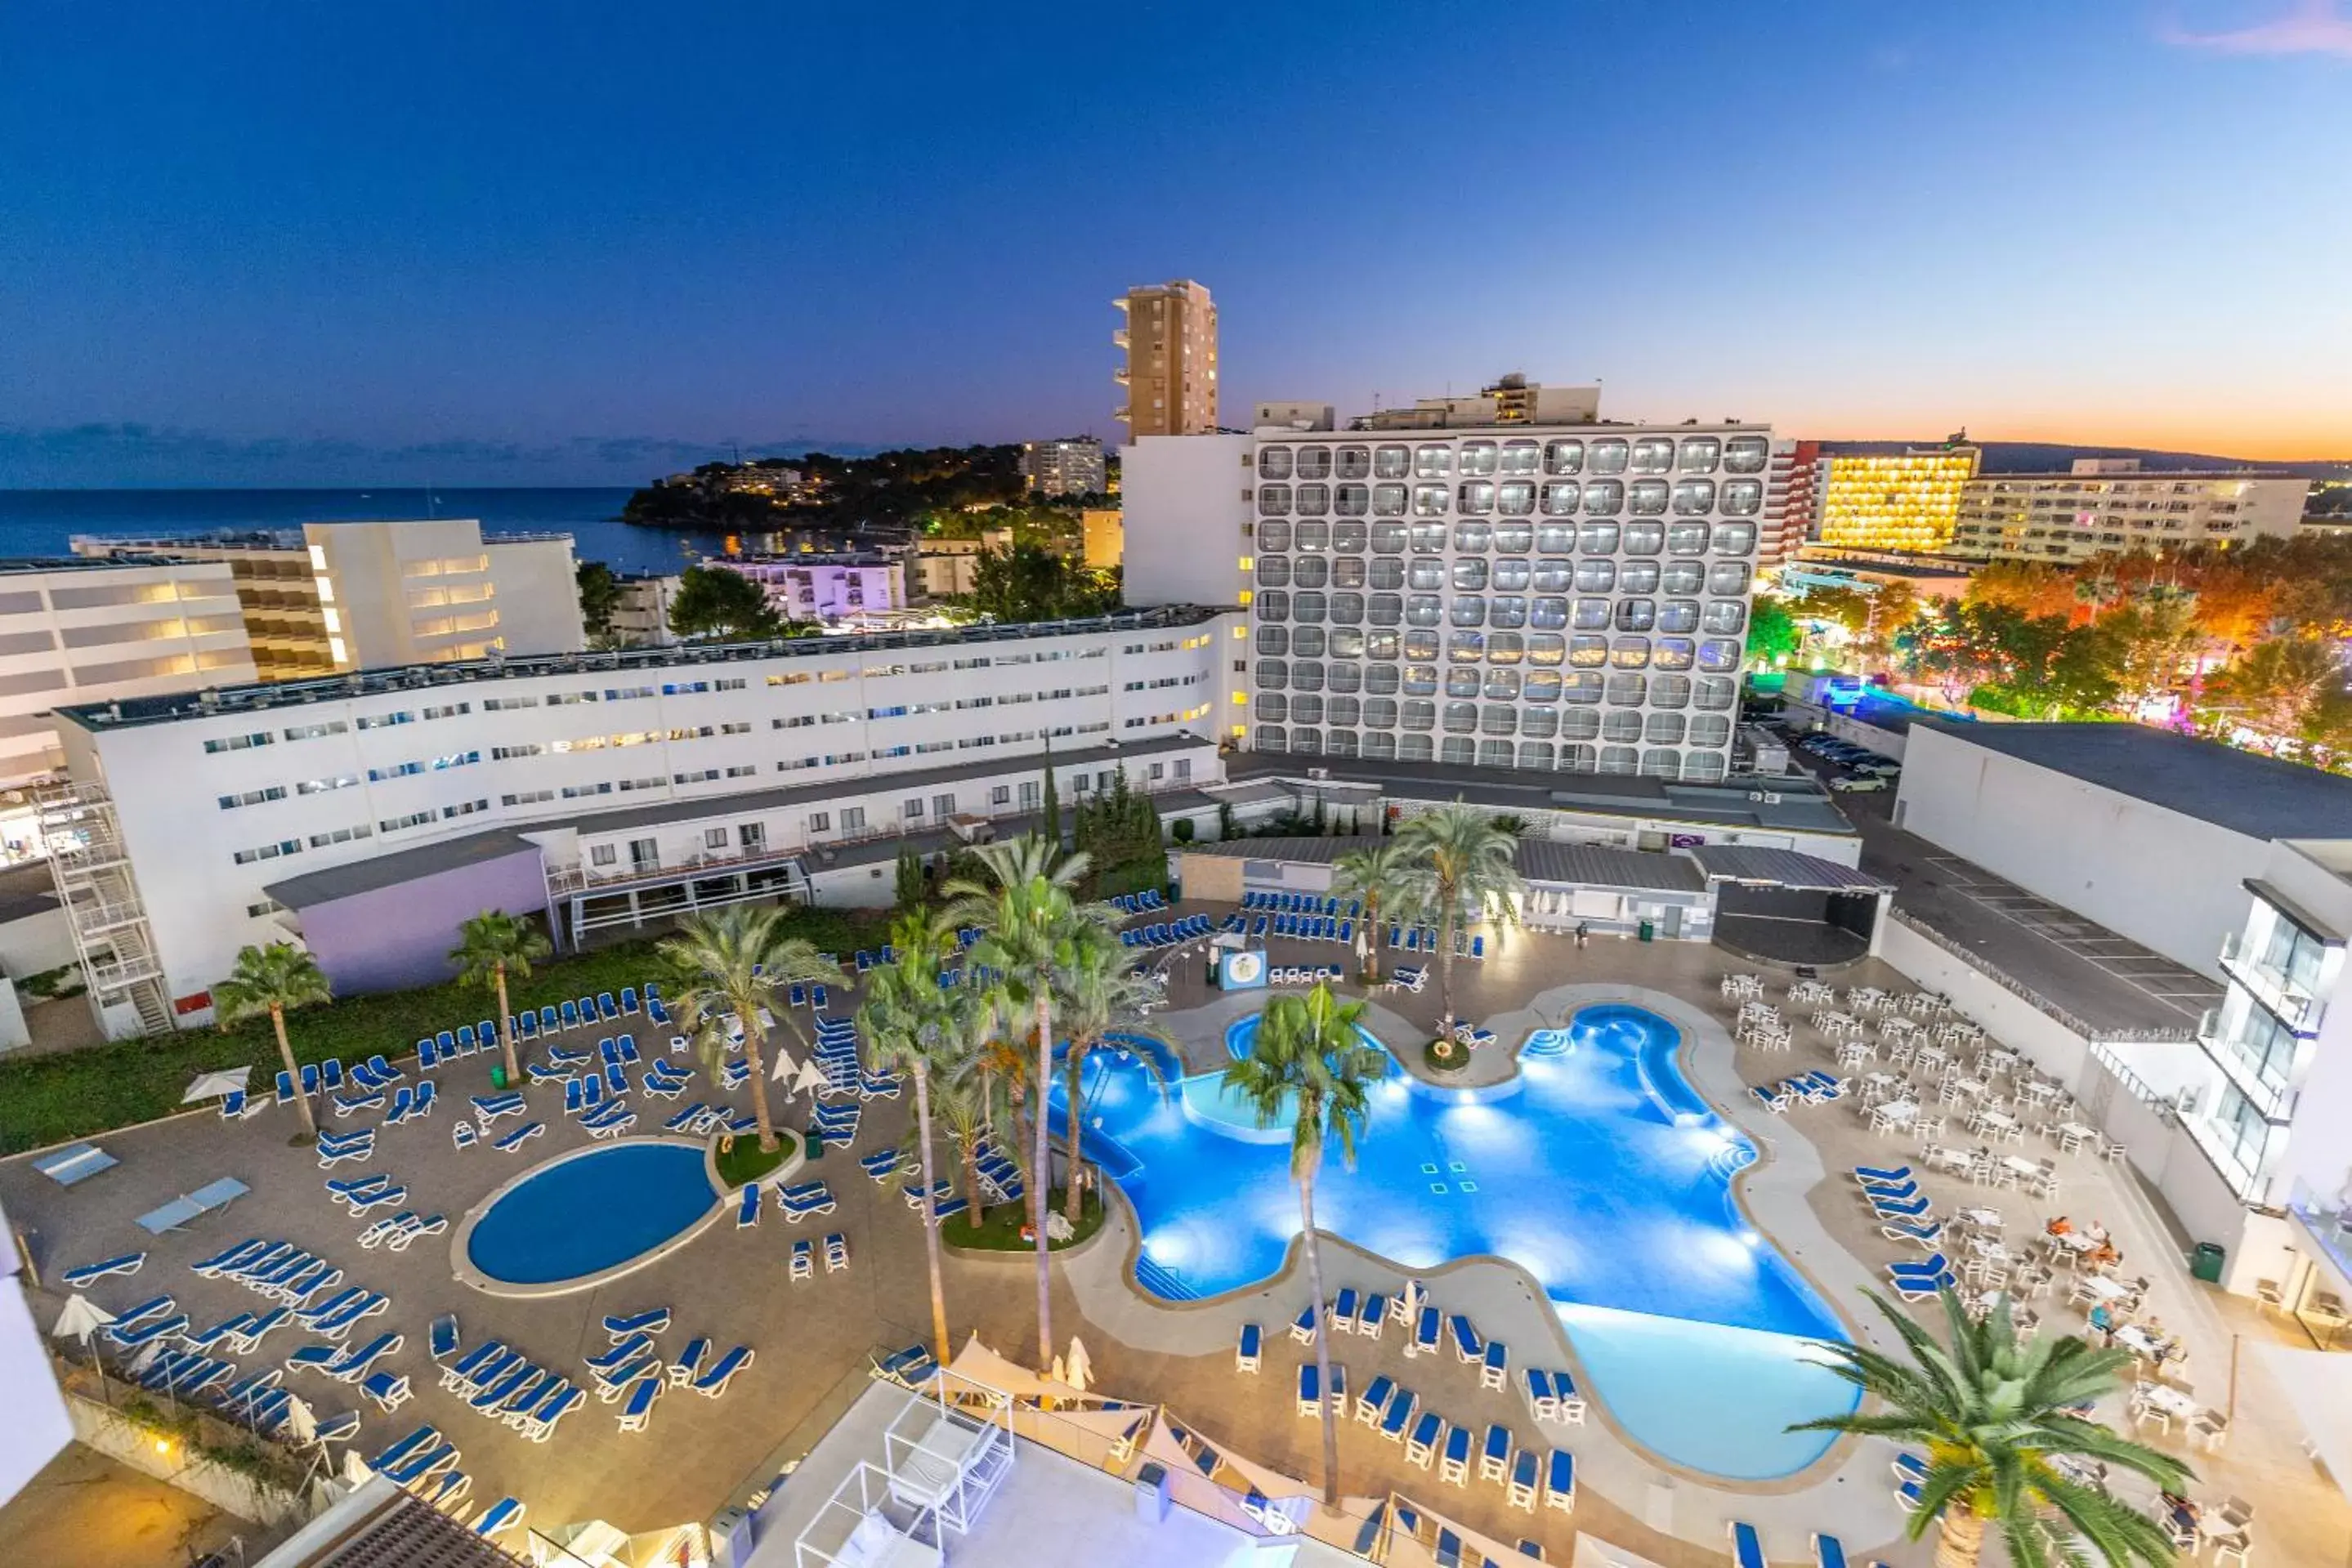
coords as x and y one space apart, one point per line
1391 463
1564 457
1273 463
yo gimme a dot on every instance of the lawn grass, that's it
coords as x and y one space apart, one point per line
741 1160
1000 1230
78 1093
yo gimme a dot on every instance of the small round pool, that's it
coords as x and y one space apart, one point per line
583 1219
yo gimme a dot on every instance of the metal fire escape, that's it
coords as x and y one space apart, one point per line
111 933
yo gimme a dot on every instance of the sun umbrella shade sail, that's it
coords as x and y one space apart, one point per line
213 1085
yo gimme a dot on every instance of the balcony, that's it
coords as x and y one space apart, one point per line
2248 1183
1119 339
2285 1000
2268 1095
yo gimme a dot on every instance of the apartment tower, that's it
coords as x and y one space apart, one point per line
1171 374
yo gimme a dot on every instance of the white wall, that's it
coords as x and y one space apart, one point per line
1184 518
2169 882
2055 1049
38 1425
539 596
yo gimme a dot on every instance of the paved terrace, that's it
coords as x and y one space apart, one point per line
812 1337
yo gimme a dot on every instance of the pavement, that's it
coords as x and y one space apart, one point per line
84 1506
812 1338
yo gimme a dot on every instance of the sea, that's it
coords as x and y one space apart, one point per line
44 522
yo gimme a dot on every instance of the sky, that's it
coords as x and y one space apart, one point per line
489 242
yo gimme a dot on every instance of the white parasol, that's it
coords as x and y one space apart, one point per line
1058 1373
81 1319
1078 1367
811 1077
301 1421
1415 1298
213 1085
355 1470
783 1068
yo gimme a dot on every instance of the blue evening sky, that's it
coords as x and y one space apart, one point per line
492 242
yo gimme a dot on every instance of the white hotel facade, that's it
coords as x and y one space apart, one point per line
601 788
1571 598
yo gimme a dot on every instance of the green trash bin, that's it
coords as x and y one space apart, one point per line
2205 1263
813 1144
498 1075
1649 931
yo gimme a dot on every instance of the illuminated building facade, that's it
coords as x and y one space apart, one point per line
1904 501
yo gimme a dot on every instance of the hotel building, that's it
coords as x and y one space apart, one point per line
91 631
334 597
1509 596
1071 468
828 590
368 814
1791 502
1903 500
2109 505
1171 370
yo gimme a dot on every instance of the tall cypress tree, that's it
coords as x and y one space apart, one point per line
1053 802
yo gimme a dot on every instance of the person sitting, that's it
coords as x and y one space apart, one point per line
2105 1255
2103 1321
2182 1513
2061 1226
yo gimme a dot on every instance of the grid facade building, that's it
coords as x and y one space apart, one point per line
1506 597
1907 500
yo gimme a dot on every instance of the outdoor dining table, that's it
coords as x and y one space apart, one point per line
2075 1241
2020 1165
2040 1093
1945 1157
2106 1286
1989 1218
1893 1114
2175 1403
2144 1345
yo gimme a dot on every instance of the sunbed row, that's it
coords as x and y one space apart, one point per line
1304 928
1300 904
1192 928
1312 975
1814 1088
506 1386
804 1256
426 1464
329 1076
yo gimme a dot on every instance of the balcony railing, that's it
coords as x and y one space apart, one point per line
2293 1006
2248 1183
2270 1096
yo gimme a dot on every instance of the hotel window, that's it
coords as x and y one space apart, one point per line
1507 610
1308 642
1698 455
1662 764
1314 462
1273 571
1686 539
1546 648
1461 718
1420 679
1414 748
1314 498
1469 576
1742 497
1564 457
1582 687
1307 607
1385 610
1678 615
1645 538
1306 677
1653 454
1502 685
1540 686
1562 498
1478 457
1746 455
1604 498
1636 615
1694 498
235 743
1637 576
1468 611
1588 653
1630 653
1473 536
1269 738
1520 457
1348 571
1306 709
1274 639
1434 460
1347 609
1418 715
1649 499
1718 656
1734 539
1273 605
1420 646
1314 536
1351 500
1355 462
1609 457
1380 713
1475 497
1429 500
1595 576
1535 754
1389 538
1513 575
1391 463
1716 693
1591 614
1272 499
1553 575
1727 578
1499 718
1382 680
1273 463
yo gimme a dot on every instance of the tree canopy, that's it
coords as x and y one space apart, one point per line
713 602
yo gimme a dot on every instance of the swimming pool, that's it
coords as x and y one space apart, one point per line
577 1220
1598 1169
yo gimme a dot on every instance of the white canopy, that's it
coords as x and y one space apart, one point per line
811 1077
301 1421
2318 1384
213 1085
81 1319
783 1068
1078 1368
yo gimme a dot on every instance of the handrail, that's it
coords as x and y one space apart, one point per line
2027 994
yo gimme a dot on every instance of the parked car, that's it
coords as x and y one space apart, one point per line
1881 767
1860 783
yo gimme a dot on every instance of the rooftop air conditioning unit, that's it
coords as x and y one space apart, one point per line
1319 773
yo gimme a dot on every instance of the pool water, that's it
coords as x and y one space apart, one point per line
581 1216
1600 1170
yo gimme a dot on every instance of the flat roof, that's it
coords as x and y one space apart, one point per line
1794 802
1538 860
392 680
1762 866
399 867
2247 794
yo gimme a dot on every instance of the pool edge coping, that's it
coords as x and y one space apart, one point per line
463 1270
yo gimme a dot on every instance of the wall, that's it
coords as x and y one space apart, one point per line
1886 742
1182 498
37 942
1215 878
539 596
398 936
232 1491
38 1425
2169 882
2055 1049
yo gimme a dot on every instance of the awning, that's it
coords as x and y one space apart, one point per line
1759 866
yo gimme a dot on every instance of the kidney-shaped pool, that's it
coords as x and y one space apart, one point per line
585 1217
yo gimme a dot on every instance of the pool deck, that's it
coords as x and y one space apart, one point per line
734 1287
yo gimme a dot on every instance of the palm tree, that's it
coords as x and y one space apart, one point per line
1100 993
1029 923
1993 1410
1462 871
1381 876
966 1104
1310 1062
733 961
907 1026
276 980
493 948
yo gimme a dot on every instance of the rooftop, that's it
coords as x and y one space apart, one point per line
33 565
1794 802
266 696
2261 796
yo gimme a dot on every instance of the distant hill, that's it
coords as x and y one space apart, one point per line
2051 456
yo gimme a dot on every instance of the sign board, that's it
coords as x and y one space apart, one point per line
1242 970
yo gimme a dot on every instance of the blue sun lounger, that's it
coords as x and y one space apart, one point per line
1885 1178
1912 1209
191 1206
747 1211
639 1407
519 1136
503 1514
1250 1349
1398 1413
1454 1462
1424 1333
713 1382
90 1273
655 1320
1468 1347
1829 1551
1560 1480
1310 1390
1746 1546
77 1162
